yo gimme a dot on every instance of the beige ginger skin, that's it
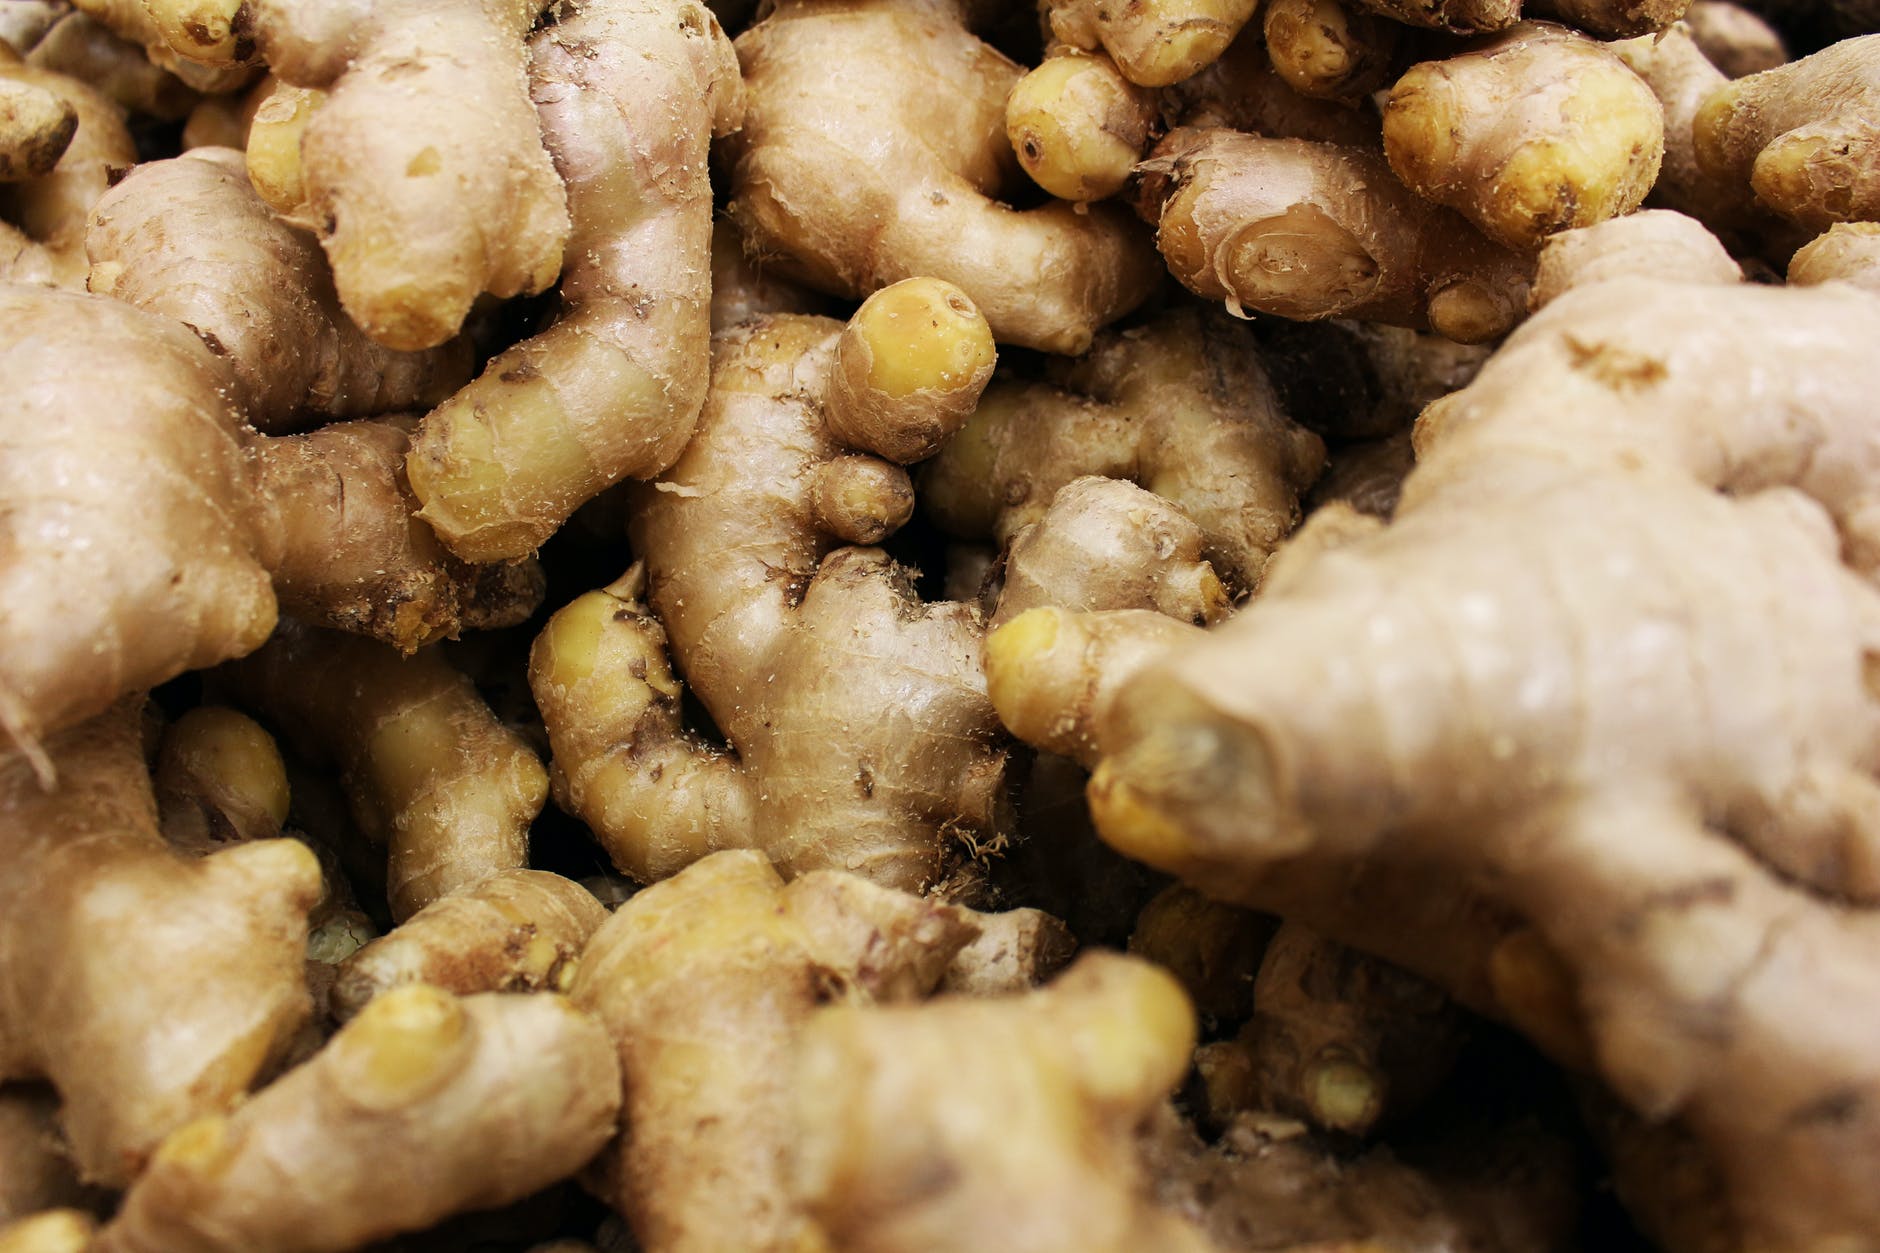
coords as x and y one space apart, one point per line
774 620
423 1106
42 220
431 774
1154 42
1537 130
860 191
1310 230
613 389
1610 793
148 987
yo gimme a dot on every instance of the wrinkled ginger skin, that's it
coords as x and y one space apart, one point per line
858 190
614 388
1803 135
423 1106
147 987
516 931
1311 230
1614 19
776 625
432 775
704 982
189 239
457 199
354 554
1665 692
1182 407
1460 17
1153 42
130 528
1538 130
1033 1150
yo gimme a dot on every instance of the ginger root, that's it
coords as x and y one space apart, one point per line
35 1172
613 389
851 194
147 987
1537 130
219 779
773 622
50 211
1607 792
1311 230
422 1106
1849 252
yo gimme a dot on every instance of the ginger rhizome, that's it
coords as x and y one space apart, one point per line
1633 708
1330 49
1153 43
850 193
1034 1151
147 987
423 1106
1535 131
219 779
431 775
42 220
36 125
516 931
614 388
1313 230
1849 253
1181 407
775 623
458 198
1801 135
189 239
86 49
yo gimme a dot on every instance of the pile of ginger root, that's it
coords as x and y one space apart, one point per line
896 626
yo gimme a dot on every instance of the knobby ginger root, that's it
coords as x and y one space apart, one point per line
457 199
1242 91
1564 535
1849 252
852 192
423 1106
219 779
147 987
430 773
36 125
23 23
1213 949
51 211
1182 407
776 626
1311 230
135 21
1801 135
705 982
1538 130
613 389
1735 39
189 239
1654 244
516 931
1034 1150
1153 43
88 50
1077 125
1330 49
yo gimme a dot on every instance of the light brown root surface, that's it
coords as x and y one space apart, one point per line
430 773
86 49
857 198
51 211
613 389
147 987
1329 49
1735 39
1309 230
1155 42
1656 243
423 1106
1848 253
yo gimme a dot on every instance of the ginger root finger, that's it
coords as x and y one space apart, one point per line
1181 406
120 604
1538 130
136 22
1078 125
422 1106
1630 821
460 198
1655 243
1330 50
1154 43
1801 135
35 127
918 172
714 972
613 389
147 987
1849 253
219 780
1309 230
516 931
88 50
52 210
189 239
429 771
1037 1153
